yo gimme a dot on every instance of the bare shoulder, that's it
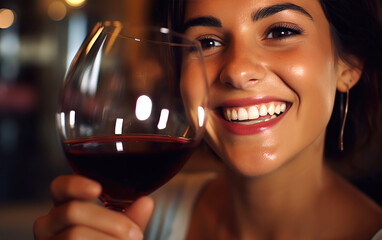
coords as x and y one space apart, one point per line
358 214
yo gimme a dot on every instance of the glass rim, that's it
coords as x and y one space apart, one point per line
118 25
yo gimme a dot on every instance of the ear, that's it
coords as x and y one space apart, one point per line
348 74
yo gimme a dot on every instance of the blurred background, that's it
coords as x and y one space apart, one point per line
38 40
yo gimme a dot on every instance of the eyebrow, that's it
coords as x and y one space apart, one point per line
270 10
210 21
207 21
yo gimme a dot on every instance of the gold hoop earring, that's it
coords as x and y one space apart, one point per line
344 114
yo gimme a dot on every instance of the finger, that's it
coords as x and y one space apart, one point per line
90 215
140 211
39 229
83 233
68 187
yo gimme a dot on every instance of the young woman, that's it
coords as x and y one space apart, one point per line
274 69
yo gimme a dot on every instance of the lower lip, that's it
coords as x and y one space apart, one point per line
240 129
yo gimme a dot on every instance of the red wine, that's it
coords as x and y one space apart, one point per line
128 166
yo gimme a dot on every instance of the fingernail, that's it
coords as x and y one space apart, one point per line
135 234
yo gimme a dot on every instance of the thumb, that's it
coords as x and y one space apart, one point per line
140 211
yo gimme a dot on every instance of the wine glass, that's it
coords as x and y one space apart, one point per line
132 108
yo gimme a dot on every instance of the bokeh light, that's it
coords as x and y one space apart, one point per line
57 10
75 3
143 107
7 18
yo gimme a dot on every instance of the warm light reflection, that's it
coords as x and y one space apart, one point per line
75 3
118 126
164 30
163 119
7 18
201 115
119 146
298 70
72 118
95 37
143 108
62 123
62 115
57 10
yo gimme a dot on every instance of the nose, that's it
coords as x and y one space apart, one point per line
242 68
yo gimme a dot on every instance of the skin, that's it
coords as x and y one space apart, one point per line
275 180
268 182
76 215
248 66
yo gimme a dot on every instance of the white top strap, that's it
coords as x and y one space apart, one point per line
174 203
378 235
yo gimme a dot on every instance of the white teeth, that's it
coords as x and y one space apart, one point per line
256 121
283 107
253 113
263 110
277 109
271 109
234 114
273 116
242 114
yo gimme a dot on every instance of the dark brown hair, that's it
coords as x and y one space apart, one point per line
357 34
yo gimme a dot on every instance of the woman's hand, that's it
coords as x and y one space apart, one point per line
76 216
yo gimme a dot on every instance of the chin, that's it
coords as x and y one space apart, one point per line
251 164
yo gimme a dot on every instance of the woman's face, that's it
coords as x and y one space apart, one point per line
272 76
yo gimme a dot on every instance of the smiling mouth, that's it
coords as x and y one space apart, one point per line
254 114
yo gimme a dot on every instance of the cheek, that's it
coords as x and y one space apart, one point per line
310 73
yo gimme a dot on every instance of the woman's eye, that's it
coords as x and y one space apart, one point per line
282 32
208 43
